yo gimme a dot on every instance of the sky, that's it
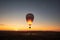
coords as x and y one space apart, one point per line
46 14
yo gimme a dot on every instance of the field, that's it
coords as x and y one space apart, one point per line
29 35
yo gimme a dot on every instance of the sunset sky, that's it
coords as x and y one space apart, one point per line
46 14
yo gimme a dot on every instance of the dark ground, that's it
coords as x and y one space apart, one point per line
29 35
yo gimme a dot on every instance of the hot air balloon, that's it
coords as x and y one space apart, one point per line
29 19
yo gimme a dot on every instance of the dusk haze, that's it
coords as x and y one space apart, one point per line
46 13
29 19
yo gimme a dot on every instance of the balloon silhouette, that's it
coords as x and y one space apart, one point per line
29 19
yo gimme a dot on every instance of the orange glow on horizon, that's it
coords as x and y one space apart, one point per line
18 28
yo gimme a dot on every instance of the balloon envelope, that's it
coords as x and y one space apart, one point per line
29 18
